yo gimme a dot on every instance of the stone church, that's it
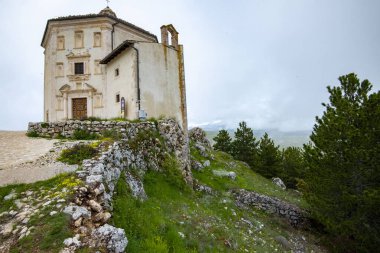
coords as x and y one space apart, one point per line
99 65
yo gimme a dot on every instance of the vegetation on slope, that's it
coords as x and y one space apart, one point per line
47 225
176 219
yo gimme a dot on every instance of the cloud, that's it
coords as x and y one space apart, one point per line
266 62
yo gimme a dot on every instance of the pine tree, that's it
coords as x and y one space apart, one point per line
244 146
344 170
268 157
292 166
222 141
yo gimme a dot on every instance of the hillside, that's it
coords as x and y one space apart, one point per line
154 209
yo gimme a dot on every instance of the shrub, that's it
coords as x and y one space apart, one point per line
32 134
77 154
81 134
112 134
44 125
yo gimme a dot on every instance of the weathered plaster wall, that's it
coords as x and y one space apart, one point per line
159 81
124 84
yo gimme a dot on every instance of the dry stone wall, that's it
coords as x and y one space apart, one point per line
295 215
144 146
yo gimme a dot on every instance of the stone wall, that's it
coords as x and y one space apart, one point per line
295 215
144 147
67 128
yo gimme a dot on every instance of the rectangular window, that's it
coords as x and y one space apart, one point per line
117 72
97 39
59 69
60 42
79 68
117 98
79 39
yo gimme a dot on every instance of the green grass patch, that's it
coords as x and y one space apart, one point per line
245 178
48 236
82 134
77 154
32 134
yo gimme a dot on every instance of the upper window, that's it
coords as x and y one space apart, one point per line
60 42
79 68
117 72
97 39
78 39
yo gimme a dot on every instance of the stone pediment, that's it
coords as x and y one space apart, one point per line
65 88
71 55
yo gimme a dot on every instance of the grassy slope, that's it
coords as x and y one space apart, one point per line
208 223
50 231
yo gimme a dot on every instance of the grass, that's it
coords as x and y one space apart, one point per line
50 231
77 154
81 134
208 223
245 178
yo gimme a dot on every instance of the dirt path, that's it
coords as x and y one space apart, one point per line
27 160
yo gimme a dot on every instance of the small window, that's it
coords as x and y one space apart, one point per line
60 42
117 72
117 98
97 39
79 68
79 39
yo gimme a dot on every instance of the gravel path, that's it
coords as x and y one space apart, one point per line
27 160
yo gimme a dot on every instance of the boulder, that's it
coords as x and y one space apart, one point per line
277 181
112 238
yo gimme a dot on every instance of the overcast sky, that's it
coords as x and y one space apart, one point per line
263 61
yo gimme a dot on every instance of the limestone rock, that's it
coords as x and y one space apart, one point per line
77 211
224 173
112 238
95 206
285 243
277 181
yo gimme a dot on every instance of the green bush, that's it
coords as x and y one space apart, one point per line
77 154
32 134
112 134
44 125
81 134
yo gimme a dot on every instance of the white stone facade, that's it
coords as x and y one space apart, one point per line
96 63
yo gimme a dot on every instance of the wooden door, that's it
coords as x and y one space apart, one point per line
79 108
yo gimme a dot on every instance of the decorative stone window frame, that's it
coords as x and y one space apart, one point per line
97 43
60 42
77 58
59 69
80 43
98 97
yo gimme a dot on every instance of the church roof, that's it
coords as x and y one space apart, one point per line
116 51
105 13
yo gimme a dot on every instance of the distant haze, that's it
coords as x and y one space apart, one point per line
265 62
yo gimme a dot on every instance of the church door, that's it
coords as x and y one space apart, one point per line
79 108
